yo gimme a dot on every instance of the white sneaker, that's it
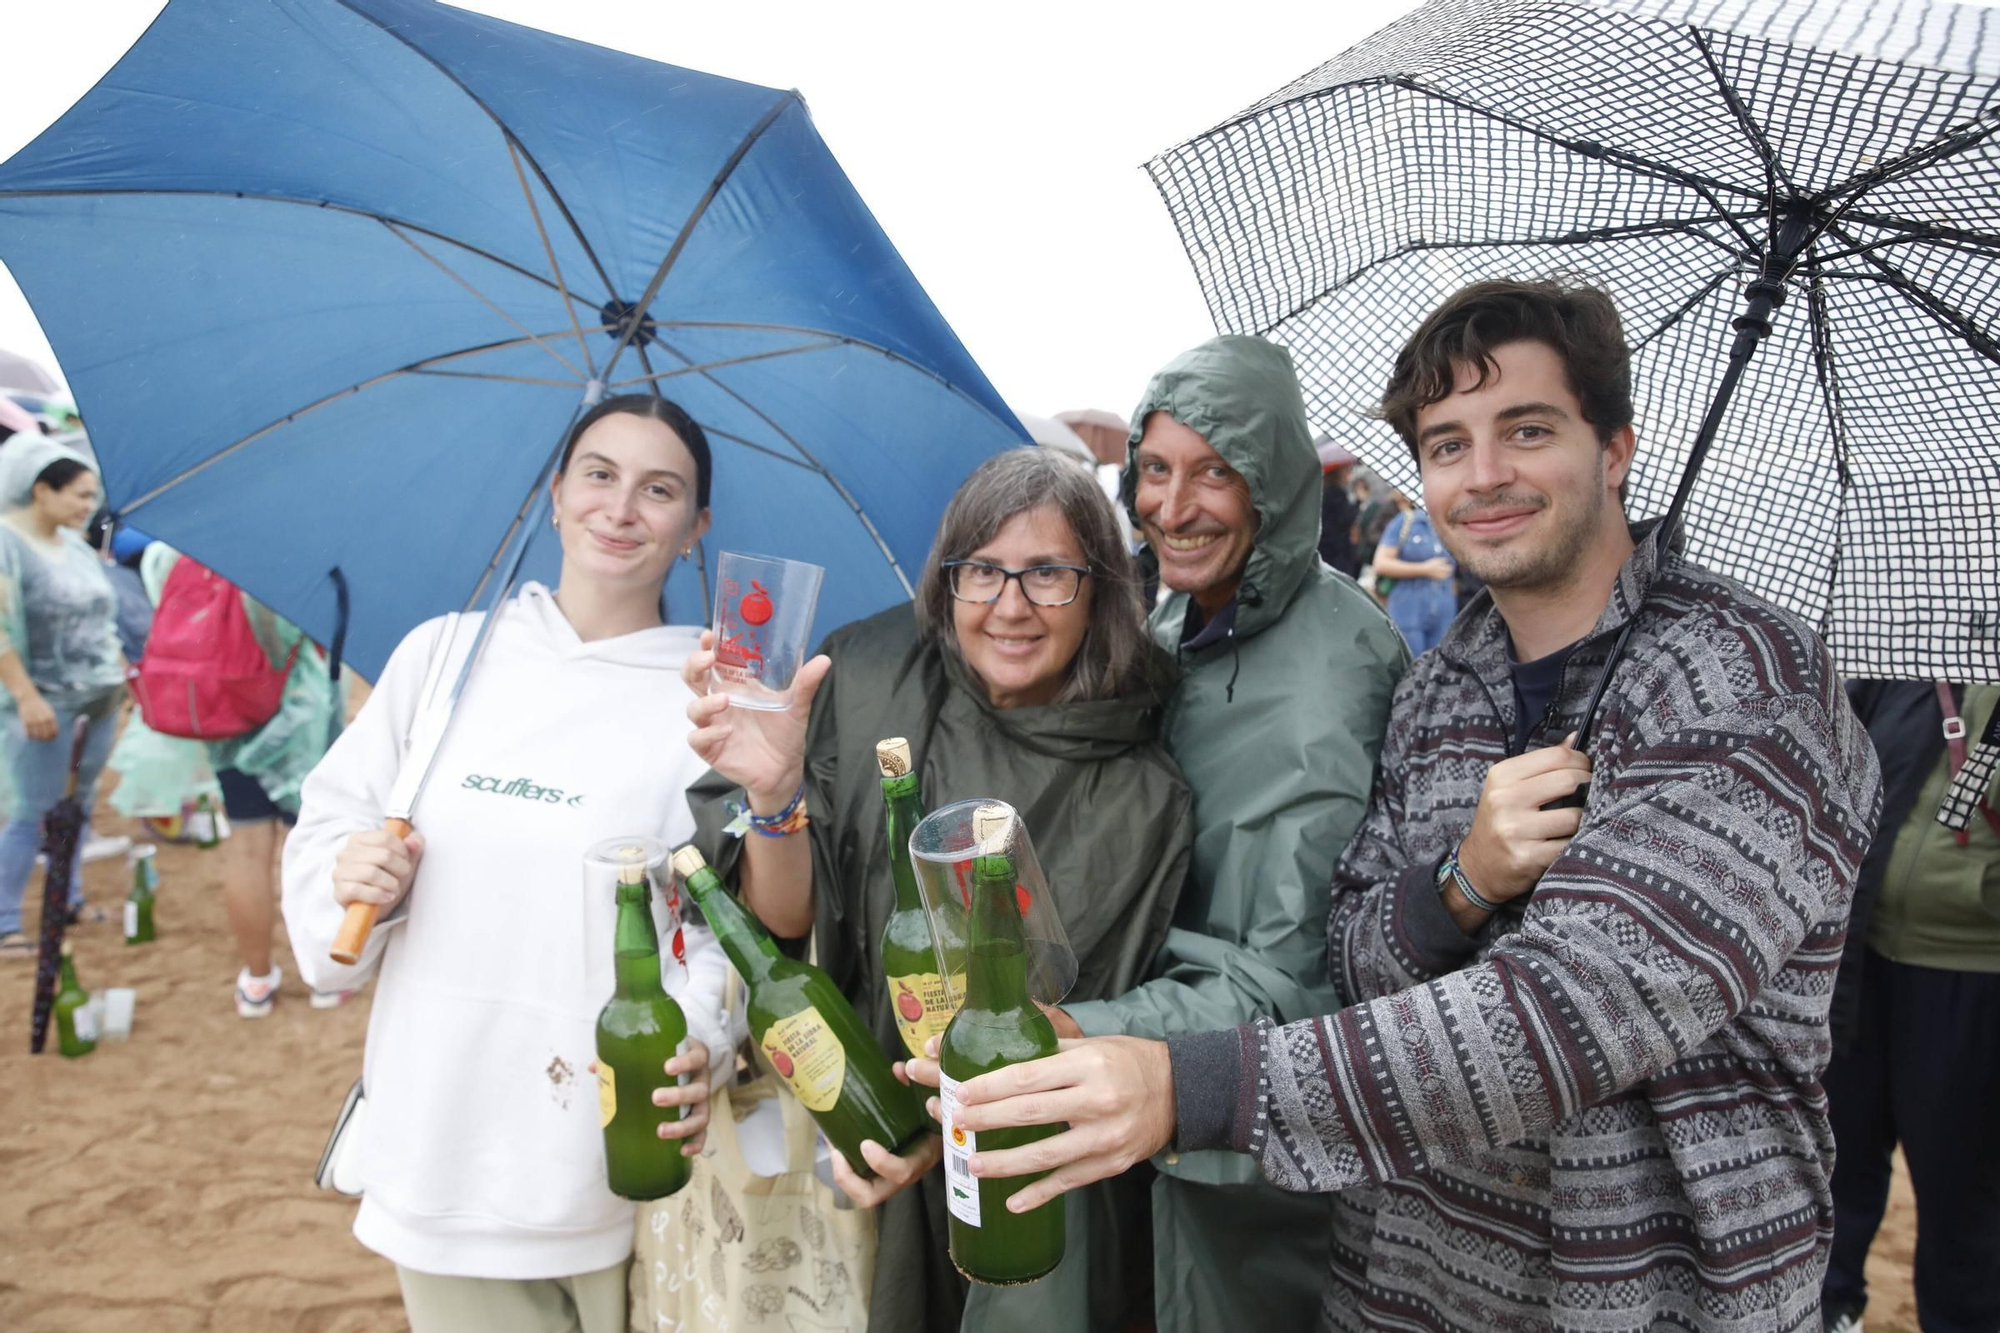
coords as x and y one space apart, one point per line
104 845
329 999
256 995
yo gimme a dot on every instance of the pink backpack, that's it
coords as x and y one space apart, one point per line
204 675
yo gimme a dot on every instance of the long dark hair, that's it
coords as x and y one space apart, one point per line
663 410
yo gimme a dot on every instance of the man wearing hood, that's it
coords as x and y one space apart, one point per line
1286 673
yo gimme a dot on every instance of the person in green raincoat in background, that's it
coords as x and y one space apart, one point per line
1047 696
260 774
1286 673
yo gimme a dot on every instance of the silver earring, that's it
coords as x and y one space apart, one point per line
555 522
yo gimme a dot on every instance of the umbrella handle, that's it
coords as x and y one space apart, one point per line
360 918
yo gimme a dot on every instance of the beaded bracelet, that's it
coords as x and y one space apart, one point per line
786 821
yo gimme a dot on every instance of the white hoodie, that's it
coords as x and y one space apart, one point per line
483 1155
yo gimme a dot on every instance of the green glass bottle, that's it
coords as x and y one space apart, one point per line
139 903
807 1030
997 1026
921 996
639 1029
201 824
76 1026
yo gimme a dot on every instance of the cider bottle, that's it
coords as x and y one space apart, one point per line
76 1025
921 997
807 1030
201 824
139 903
998 1025
639 1029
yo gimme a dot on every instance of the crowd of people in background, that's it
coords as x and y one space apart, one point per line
1380 1024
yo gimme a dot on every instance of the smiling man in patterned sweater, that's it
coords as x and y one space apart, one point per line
1576 1083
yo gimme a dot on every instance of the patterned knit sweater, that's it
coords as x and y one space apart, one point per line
1604 1112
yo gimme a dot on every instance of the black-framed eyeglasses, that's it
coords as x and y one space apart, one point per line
1044 585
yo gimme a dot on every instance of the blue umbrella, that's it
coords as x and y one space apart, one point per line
331 278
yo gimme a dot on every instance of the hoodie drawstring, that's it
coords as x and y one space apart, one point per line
1236 667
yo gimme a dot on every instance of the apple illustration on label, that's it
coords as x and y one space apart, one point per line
755 608
907 1004
779 1061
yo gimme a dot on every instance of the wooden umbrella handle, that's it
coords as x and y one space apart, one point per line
360 918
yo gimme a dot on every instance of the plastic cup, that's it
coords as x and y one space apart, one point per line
118 1005
763 622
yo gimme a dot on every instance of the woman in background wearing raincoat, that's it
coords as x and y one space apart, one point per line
59 659
1047 696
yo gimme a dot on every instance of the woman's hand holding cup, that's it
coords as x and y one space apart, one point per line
761 751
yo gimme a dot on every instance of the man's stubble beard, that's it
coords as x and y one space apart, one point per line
1554 564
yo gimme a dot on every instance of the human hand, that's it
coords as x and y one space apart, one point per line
38 720
1513 839
893 1174
922 1070
1060 1020
1115 1093
375 866
1437 567
762 752
691 1097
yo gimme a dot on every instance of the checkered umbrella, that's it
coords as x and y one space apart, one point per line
61 827
1794 202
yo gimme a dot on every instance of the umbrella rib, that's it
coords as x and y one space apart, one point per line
1949 144
415 367
745 359
1821 325
1687 227
500 379
1952 320
751 444
554 194
722 175
867 523
1774 170
1706 290
1618 156
481 297
555 266
322 205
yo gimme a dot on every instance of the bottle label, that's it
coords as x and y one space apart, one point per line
131 920
922 1003
607 1094
806 1054
85 1022
961 1187
201 826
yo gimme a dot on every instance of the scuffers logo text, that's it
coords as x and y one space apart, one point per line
525 788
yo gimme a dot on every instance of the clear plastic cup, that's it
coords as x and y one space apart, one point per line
763 623
119 1002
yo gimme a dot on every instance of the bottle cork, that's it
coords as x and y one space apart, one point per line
632 864
892 756
990 826
688 860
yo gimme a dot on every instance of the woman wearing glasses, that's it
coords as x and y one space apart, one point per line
1022 671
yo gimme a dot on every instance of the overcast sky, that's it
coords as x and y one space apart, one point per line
999 144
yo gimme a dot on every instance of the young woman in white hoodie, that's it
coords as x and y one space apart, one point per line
482 1148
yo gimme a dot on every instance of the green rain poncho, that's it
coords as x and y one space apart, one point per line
1111 822
1277 728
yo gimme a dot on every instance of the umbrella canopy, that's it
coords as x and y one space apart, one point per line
330 279
1678 153
18 372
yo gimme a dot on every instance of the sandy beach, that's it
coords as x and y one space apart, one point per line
164 1185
